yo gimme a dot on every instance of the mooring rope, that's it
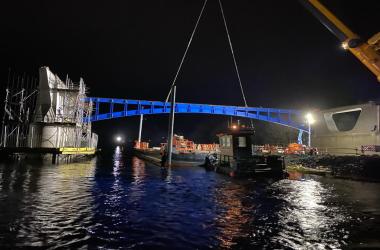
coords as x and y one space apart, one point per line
187 48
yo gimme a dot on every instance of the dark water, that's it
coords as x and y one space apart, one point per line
117 202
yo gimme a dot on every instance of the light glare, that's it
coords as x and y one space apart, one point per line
309 118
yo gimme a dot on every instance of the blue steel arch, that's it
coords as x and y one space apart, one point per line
286 117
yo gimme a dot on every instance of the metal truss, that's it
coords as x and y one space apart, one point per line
126 107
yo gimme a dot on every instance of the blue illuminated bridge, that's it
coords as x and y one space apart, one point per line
110 108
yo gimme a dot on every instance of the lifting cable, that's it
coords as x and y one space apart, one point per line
230 45
233 53
187 48
234 58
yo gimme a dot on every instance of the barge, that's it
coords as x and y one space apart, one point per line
185 152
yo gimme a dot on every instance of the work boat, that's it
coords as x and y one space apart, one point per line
237 156
185 152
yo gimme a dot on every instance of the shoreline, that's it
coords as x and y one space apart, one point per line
361 168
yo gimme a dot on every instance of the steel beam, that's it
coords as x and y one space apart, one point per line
139 107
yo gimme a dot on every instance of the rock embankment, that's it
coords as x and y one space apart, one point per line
351 167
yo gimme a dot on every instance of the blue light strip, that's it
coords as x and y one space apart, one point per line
137 107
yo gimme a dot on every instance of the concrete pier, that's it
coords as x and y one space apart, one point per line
348 130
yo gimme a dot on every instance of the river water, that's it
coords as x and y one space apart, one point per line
118 201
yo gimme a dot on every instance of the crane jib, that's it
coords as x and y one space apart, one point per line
328 22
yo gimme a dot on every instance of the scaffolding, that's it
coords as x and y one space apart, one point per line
50 116
19 102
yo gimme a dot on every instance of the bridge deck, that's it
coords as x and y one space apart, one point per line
127 107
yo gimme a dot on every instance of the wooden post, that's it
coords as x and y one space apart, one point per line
54 158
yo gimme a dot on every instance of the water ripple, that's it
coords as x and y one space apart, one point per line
123 202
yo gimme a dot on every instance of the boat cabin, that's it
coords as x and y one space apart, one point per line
237 156
236 144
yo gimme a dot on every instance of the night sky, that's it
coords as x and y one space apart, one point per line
131 49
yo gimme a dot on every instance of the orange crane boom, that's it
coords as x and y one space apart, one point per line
368 52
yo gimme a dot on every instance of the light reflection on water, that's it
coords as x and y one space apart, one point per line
308 219
231 221
122 201
42 208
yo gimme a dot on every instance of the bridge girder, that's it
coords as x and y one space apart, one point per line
286 117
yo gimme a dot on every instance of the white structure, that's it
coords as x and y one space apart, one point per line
58 117
348 130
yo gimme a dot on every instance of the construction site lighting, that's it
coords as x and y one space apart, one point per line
309 118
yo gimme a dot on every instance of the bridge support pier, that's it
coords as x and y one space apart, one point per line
300 133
